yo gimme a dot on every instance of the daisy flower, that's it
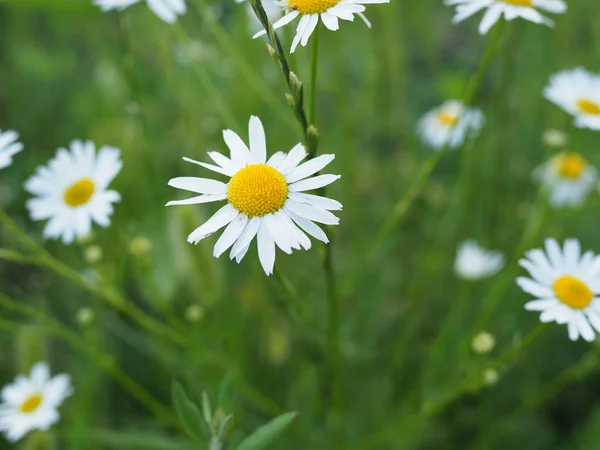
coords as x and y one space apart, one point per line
8 147
167 10
449 124
566 285
568 178
511 9
72 190
329 11
475 263
265 198
32 403
577 91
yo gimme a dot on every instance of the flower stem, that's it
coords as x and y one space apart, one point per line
313 76
403 204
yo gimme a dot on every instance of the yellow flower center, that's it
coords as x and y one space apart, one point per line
79 193
31 404
446 119
588 107
570 165
573 292
257 190
518 2
311 6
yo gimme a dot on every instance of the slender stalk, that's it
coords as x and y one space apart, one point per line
103 360
313 76
403 204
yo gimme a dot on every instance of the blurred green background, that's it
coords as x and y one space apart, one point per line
160 92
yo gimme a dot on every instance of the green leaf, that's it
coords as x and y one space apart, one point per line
188 412
267 433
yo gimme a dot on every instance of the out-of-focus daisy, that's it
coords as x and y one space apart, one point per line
568 178
566 285
510 9
475 263
265 198
32 403
449 124
72 190
8 147
167 10
577 91
328 11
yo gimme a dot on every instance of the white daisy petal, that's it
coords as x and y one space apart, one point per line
278 233
230 235
266 248
209 166
245 237
8 147
293 158
309 212
198 185
313 183
240 154
309 168
221 218
316 200
258 141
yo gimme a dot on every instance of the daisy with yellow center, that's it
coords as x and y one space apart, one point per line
72 190
510 9
32 403
568 178
449 124
265 198
566 284
328 11
577 91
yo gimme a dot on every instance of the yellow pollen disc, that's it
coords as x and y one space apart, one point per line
573 292
588 107
79 193
257 190
518 2
447 119
570 165
311 6
31 404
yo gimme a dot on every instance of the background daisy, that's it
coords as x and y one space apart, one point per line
8 147
72 190
510 9
566 285
167 10
265 198
474 262
449 124
577 91
328 11
568 178
32 403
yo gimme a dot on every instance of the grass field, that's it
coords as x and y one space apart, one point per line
369 338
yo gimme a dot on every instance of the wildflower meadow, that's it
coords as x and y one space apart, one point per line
299 225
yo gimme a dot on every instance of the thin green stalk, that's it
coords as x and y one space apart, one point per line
103 360
402 206
313 76
207 82
470 384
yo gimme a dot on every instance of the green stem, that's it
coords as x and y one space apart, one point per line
313 76
403 204
103 360
335 352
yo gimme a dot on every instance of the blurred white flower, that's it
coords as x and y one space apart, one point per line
449 124
8 147
568 178
328 11
577 91
167 10
511 9
554 138
32 403
475 263
566 285
265 198
483 343
72 190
